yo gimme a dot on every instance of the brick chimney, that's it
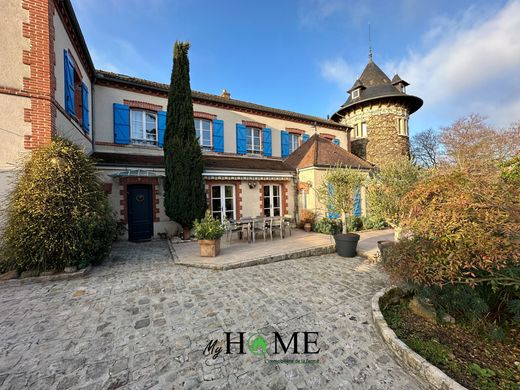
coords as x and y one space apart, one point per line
225 94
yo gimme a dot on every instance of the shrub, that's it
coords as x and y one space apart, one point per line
57 214
307 215
370 222
354 224
208 228
328 226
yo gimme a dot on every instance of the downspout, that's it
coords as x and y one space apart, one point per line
296 200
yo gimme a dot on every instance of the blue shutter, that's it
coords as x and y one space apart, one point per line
305 138
266 137
161 127
218 135
331 214
285 144
68 70
84 105
121 124
335 141
357 203
241 139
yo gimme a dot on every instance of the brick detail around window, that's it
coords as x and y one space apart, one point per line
253 124
123 192
330 137
294 131
284 199
238 193
41 85
143 105
203 115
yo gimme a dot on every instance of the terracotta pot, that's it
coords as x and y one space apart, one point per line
307 226
209 248
186 233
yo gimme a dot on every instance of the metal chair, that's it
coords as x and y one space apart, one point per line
258 226
287 222
276 224
231 227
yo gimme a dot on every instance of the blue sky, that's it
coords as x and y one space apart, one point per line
460 56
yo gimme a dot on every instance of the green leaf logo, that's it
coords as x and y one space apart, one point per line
257 344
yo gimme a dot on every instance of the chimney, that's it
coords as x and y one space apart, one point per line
225 94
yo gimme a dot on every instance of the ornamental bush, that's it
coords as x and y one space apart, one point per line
57 214
208 228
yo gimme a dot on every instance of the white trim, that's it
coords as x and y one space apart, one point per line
247 174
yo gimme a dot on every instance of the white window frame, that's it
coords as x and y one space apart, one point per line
355 93
143 141
271 198
294 142
364 130
250 132
402 128
222 199
198 126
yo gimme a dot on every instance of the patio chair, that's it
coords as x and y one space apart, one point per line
276 224
287 222
258 226
231 227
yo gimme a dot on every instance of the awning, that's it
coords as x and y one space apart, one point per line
136 173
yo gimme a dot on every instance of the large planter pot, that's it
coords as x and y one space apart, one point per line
346 244
307 226
209 248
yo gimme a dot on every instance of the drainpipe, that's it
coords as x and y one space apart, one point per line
296 200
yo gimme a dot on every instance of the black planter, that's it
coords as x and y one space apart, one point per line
346 244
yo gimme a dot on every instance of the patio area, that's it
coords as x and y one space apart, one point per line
299 244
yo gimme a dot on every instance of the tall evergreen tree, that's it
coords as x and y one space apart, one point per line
184 193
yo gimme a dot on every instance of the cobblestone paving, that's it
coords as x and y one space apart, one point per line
140 322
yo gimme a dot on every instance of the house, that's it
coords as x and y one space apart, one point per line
259 160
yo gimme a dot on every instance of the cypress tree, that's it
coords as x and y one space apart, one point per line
184 193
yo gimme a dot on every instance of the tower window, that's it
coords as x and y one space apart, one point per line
355 93
402 124
360 130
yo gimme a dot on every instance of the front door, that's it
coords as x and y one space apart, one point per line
140 212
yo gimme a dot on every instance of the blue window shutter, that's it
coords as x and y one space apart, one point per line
84 105
121 124
335 141
331 214
267 140
357 203
218 135
241 139
68 70
305 138
161 127
285 143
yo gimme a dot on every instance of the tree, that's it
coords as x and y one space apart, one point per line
470 143
184 193
426 148
337 190
387 188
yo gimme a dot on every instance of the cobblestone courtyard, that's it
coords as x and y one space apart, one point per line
140 322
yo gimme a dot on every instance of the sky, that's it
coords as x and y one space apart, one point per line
461 57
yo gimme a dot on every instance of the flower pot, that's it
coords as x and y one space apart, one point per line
346 244
186 233
209 248
307 226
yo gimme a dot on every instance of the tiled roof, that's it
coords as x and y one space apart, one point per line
321 152
102 75
211 161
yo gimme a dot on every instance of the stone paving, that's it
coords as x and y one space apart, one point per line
141 322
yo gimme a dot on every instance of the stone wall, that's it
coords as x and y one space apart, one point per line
383 141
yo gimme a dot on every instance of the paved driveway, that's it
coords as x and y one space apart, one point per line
141 322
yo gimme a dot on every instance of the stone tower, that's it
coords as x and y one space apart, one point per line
378 109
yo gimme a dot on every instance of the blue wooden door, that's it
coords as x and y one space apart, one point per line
140 212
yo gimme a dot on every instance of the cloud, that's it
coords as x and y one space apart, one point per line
312 13
338 71
471 65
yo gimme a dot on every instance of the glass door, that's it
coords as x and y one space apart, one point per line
223 201
272 200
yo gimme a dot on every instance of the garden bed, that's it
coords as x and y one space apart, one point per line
471 355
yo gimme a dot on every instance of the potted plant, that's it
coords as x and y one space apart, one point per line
208 232
337 192
306 218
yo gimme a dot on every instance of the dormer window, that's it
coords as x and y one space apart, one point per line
403 88
355 93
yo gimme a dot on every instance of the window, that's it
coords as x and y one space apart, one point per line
143 127
254 140
223 201
402 126
203 128
355 94
403 89
360 130
294 142
272 200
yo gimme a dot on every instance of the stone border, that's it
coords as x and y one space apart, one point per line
313 251
48 278
431 375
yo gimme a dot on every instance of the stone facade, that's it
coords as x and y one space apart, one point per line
382 142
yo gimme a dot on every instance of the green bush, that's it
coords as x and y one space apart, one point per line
370 223
354 224
328 226
208 228
57 214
